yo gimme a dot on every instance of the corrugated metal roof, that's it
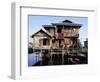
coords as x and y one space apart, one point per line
67 24
47 25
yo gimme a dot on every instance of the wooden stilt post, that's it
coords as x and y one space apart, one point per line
36 58
62 57
41 56
50 57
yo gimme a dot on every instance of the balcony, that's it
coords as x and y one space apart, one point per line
69 34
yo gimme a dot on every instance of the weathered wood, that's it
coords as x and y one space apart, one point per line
51 52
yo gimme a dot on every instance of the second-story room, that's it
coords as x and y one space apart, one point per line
60 34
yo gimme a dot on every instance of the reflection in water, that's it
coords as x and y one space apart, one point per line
35 59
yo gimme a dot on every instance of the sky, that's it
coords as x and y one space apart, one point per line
35 23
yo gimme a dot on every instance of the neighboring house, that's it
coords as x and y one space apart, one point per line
86 43
57 35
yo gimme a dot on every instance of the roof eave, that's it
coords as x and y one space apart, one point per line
38 31
76 25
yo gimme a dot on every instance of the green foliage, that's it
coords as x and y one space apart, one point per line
84 50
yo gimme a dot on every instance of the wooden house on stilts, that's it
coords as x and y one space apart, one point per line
57 38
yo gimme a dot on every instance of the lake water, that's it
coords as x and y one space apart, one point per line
34 58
